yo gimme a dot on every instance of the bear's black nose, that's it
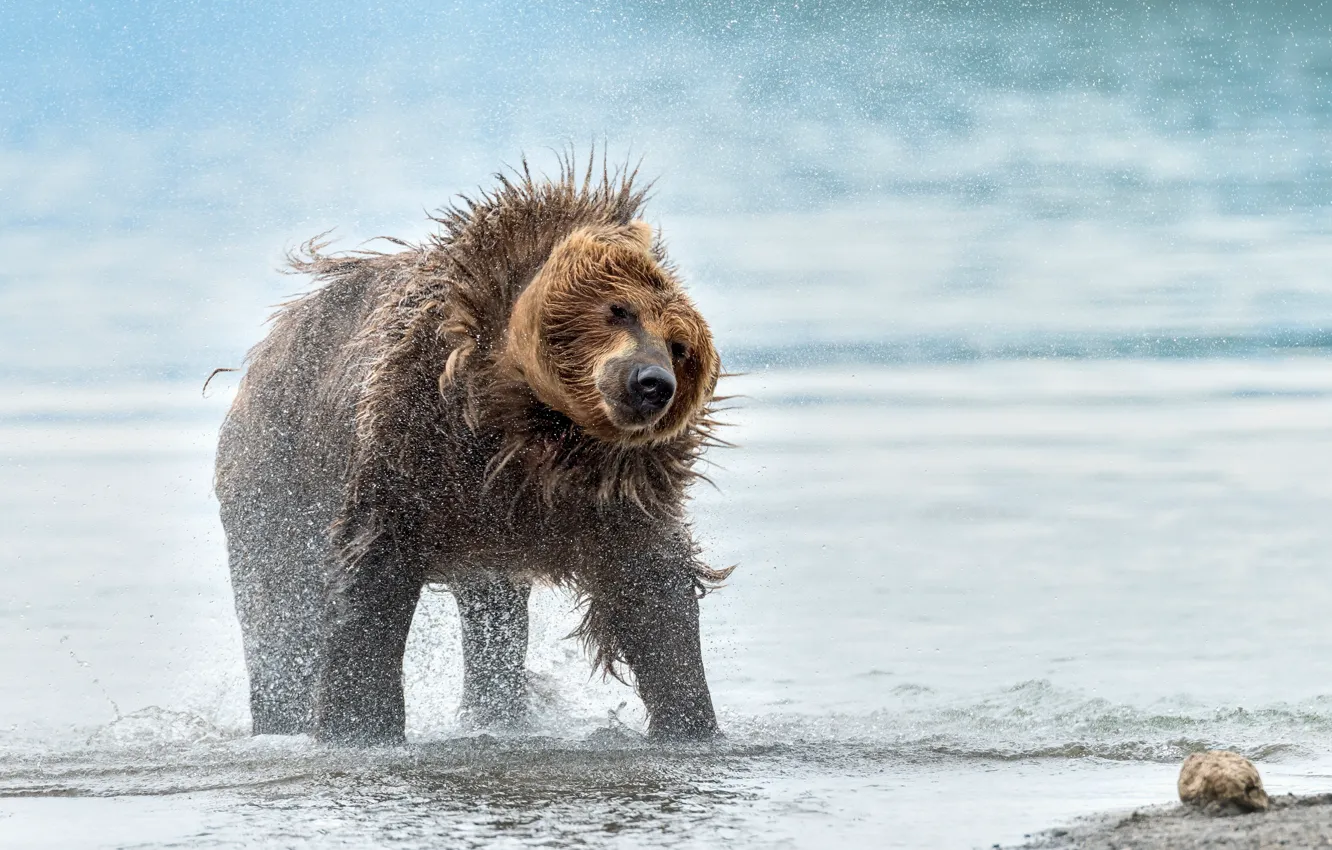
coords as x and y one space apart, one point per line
650 388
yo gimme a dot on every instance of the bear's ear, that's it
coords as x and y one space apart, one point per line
593 240
639 232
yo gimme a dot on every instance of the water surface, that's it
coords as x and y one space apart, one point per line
972 600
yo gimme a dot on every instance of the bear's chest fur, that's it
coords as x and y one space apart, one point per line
509 526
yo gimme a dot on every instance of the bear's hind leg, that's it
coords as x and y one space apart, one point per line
281 686
493 612
278 627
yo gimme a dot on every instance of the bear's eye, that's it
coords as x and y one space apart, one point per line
620 315
679 351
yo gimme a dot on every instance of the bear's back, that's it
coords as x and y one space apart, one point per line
293 418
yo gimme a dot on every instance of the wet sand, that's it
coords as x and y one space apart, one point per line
1293 821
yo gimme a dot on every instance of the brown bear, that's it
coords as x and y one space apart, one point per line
522 398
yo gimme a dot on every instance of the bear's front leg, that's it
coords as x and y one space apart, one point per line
359 699
651 619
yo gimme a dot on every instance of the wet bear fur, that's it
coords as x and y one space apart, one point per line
455 412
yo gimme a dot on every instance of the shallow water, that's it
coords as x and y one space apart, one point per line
972 600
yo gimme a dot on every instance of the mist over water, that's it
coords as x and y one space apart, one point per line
962 174
1034 432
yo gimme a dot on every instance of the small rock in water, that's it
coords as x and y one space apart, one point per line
1224 779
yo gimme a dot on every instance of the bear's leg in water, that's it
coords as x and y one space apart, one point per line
279 625
653 619
277 571
493 613
359 697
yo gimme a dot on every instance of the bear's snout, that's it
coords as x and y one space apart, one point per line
636 391
650 388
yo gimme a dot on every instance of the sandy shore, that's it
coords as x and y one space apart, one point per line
1304 822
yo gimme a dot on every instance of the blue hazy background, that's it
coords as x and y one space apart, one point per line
920 180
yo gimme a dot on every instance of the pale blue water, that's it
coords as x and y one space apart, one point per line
1034 471
959 174
973 600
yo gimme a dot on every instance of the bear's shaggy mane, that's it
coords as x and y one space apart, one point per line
429 352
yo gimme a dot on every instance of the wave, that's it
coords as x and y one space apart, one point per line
1034 719
1162 345
160 752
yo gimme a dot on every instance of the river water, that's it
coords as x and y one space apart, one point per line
972 600
1033 471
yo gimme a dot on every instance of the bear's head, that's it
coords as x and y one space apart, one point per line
605 335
